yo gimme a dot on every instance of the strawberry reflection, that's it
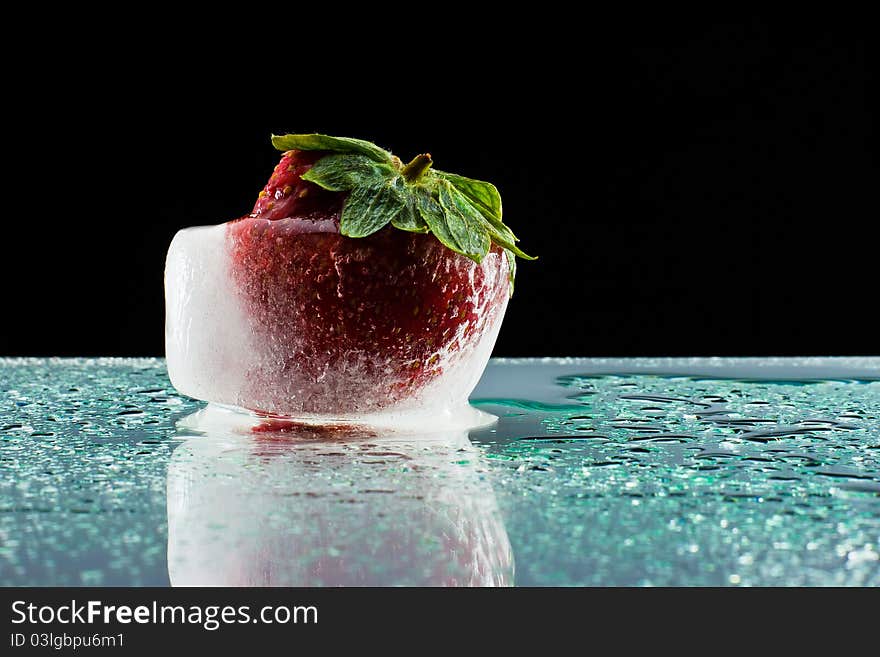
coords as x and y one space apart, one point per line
297 505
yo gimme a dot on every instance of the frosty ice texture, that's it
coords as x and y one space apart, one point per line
208 344
288 317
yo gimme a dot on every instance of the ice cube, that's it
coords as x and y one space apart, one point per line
288 317
209 346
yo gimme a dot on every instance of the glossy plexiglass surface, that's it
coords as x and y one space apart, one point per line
599 472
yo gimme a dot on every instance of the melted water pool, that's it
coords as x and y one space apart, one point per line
600 472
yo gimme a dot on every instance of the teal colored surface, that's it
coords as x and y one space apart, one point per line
630 472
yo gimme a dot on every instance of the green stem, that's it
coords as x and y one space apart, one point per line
414 170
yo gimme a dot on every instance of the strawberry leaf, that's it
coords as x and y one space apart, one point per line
369 209
344 171
482 194
503 239
435 217
465 222
511 268
409 218
497 231
464 214
316 142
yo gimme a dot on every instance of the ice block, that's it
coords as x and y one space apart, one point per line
331 327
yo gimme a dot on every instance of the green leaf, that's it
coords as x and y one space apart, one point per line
511 268
344 171
368 209
315 142
409 218
435 217
498 232
503 240
465 222
464 214
482 194
486 200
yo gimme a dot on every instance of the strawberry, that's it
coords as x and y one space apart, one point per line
288 195
366 281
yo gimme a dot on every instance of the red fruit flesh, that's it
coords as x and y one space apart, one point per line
351 325
288 195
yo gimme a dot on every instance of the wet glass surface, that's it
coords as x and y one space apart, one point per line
599 472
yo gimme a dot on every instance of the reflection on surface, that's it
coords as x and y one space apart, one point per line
296 508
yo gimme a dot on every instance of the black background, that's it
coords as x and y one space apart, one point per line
691 189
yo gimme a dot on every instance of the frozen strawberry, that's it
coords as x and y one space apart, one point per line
367 286
288 195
